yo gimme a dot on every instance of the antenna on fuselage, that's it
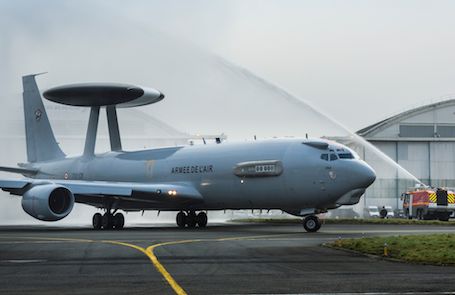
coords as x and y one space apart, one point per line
108 95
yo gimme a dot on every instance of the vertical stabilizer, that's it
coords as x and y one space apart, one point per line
41 143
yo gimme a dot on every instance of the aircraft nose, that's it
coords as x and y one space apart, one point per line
366 175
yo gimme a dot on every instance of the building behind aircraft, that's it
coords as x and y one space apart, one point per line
421 140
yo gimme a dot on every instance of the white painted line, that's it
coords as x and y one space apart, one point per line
360 293
23 260
421 231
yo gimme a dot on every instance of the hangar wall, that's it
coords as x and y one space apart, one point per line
421 140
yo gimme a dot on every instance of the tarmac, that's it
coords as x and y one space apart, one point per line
220 259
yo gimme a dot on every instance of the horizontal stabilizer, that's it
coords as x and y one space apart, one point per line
23 171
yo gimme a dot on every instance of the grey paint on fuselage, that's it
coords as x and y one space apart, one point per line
307 181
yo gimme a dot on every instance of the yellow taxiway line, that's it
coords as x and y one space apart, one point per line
149 251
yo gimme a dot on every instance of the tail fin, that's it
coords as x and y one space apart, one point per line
41 143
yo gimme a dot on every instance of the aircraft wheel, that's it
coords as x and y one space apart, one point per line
119 221
181 219
191 219
107 221
97 221
311 223
201 219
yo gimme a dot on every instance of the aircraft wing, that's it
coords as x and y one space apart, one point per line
132 195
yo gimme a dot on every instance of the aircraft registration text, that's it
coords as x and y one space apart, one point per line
192 169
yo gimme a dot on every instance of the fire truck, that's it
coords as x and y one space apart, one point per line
429 204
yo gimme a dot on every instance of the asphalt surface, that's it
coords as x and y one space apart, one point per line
221 259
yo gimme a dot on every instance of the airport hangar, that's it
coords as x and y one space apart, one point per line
421 140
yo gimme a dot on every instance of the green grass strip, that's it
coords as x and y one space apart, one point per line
350 221
438 249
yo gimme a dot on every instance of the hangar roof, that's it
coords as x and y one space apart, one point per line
372 129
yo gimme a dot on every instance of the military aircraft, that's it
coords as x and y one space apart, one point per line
303 177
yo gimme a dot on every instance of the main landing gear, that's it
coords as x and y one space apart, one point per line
108 221
311 223
190 219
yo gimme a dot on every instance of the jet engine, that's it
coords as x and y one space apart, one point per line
48 202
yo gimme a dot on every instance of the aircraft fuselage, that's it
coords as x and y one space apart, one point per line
304 179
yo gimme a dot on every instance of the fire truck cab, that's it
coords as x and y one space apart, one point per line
428 204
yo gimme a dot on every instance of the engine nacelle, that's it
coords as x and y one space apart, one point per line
48 202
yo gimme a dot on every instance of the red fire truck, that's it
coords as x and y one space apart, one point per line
429 204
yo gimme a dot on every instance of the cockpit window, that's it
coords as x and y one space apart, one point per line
329 157
345 155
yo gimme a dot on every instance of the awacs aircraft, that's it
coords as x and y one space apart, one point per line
299 176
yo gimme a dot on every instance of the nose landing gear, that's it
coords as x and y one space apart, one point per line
190 219
311 223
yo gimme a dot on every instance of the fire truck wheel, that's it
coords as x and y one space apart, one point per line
444 217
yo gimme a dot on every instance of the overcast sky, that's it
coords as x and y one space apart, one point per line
358 60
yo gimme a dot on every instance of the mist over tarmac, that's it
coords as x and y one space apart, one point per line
169 46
